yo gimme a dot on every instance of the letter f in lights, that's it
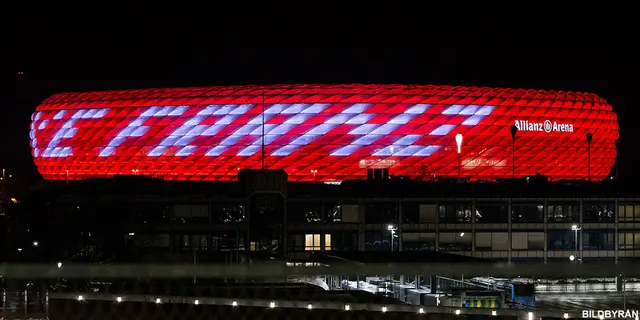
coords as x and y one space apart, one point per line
459 141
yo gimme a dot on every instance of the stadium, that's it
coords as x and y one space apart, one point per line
327 133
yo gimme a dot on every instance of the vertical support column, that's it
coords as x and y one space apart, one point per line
616 212
579 232
209 234
172 233
509 209
437 226
545 220
361 226
433 285
285 229
247 235
473 226
323 229
400 222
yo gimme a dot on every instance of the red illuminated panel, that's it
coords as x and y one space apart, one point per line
322 132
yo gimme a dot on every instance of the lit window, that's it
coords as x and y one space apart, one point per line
312 242
252 246
327 242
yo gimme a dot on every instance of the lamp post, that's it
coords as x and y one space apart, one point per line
391 229
459 144
589 138
513 130
575 229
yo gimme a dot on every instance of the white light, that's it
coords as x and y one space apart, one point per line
158 300
80 298
347 307
462 234
390 227
384 309
59 265
272 304
494 313
530 315
572 257
459 141
574 227
309 306
234 304
457 311
119 299
421 310
19 249
197 302
132 234
35 243
566 316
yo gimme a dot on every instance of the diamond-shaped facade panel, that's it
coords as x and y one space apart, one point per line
323 132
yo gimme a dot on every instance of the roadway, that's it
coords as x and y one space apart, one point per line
588 301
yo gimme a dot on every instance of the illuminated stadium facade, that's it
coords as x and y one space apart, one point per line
324 132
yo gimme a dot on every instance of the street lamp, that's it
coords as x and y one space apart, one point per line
59 265
459 144
392 229
35 243
575 229
314 174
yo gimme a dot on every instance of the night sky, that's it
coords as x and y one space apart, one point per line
107 49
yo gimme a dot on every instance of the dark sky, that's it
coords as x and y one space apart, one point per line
126 47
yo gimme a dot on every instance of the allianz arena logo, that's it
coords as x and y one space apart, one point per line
546 126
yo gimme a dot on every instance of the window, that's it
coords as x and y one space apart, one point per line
628 213
526 213
492 213
455 213
228 213
418 241
597 240
191 214
563 212
598 212
410 212
327 242
333 213
527 241
492 241
381 213
455 241
629 240
343 241
197 242
377 241
561 240
312 242
304 212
